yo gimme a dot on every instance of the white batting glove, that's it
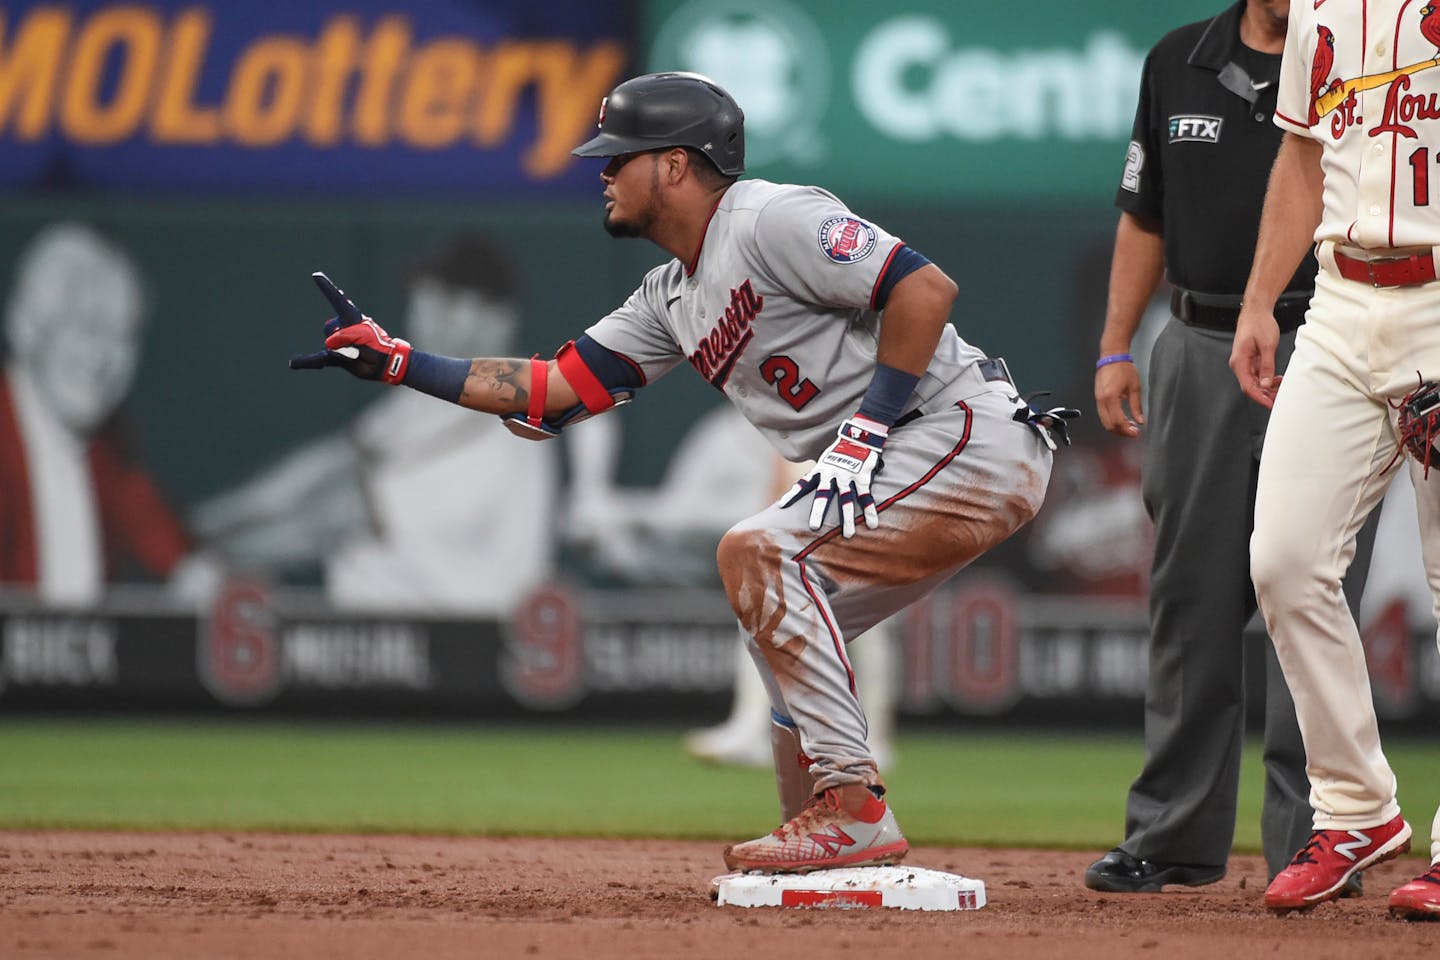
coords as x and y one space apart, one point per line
844 469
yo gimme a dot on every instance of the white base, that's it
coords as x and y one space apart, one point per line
849 888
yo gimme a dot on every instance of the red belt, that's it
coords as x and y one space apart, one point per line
1388 271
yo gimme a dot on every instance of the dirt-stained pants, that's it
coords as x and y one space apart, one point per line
955 482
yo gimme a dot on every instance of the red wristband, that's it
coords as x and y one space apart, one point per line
398 360
539 371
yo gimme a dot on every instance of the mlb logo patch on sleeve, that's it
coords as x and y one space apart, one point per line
1134 163
1197 128
846 239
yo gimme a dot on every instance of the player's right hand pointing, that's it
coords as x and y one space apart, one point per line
354 342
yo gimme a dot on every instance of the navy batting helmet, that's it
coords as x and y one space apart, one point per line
671 110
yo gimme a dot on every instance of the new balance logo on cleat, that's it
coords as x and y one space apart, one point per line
1321 869
842 827
833 840
1351 850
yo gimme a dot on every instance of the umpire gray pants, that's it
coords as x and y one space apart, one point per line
1202 455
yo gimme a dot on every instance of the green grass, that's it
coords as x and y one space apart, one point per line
949 788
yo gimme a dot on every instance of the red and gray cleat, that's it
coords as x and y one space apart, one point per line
1319 871
842 827
1420 898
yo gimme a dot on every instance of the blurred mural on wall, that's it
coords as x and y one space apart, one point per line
79 508
414 504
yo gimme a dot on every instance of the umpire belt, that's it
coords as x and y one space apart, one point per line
1213 312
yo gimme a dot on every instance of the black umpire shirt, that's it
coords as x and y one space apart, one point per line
1202 151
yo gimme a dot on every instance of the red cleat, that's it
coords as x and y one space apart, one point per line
1420 898
1322 867
842 827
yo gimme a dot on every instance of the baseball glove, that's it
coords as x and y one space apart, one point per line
1419 425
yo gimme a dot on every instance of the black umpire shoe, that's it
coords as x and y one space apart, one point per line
1118 872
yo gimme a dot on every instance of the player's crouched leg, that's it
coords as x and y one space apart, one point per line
846 821
799 642
749 558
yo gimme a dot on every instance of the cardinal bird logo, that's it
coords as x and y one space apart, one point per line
1328 95
1430 24
1320 68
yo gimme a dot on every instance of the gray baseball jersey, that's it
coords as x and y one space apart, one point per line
777 311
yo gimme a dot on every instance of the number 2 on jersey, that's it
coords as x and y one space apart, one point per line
781 371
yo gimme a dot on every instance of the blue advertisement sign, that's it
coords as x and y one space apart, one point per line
347 96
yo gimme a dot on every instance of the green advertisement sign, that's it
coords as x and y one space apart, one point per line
926 99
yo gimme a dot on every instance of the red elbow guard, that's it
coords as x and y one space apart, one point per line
587 386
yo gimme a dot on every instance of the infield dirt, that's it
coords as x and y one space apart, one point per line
119 896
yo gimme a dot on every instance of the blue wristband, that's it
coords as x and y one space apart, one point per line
442 377
889 391
1113 358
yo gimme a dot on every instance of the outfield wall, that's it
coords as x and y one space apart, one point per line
978 651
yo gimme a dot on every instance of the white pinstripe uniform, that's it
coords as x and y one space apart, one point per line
1373 330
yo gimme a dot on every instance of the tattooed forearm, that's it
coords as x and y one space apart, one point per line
494 385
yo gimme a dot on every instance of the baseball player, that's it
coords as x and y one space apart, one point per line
1191 194
1358 88
831 336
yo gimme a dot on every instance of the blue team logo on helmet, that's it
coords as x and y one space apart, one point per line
846 240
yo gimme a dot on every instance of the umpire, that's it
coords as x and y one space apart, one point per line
1190 199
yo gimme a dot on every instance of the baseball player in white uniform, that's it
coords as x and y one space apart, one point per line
1358 103
832 337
